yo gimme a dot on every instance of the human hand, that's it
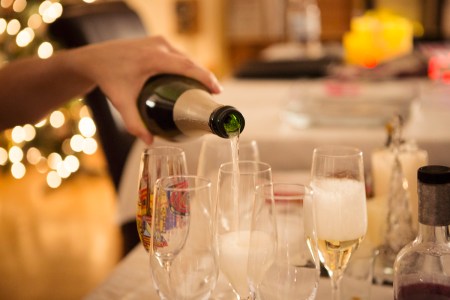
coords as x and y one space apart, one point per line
120 68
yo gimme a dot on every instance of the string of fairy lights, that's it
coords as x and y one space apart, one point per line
54 145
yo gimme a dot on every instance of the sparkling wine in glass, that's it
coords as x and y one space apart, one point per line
339 203
215 151
155 162
235 203
263 238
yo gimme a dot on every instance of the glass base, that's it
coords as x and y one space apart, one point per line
383 272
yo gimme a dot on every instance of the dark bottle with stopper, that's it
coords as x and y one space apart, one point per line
422 268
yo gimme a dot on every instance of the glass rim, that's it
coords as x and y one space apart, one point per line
337 151
214 140
301 190
159 150
227 167
204 182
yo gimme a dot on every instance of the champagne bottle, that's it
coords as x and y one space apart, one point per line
422 268
175 107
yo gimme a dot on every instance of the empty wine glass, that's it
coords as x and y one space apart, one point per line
339 205
155 162
235 198
295 271
170 219
182 259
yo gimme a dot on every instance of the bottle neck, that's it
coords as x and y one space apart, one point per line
435 234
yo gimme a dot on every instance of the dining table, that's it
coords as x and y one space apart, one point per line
132 280
288 149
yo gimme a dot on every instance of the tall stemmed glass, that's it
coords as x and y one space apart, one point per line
182 238
263 237
156 162
170 219
215 151
235 198
296 269
337 180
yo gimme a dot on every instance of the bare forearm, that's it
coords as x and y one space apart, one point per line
32 87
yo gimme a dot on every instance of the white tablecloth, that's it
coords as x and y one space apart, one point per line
132 280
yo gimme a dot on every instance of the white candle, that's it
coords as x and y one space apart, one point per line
411 159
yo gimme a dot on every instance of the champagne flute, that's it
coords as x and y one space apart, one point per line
235 197
170 219
215 151
155 162
182 238
339 203
296 269
263 237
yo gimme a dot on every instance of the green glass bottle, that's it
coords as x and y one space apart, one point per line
175 107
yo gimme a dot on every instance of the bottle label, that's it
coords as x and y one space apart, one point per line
192 111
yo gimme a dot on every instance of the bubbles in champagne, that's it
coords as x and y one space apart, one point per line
341 208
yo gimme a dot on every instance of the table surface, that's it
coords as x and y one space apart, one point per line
132 279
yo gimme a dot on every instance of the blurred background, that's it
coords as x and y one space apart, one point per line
58 191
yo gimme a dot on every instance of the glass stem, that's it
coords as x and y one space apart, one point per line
252 296
336 285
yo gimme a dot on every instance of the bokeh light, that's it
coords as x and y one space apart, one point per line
42 166
57 119
72 163
84 111
90 146
34 155
62 170
53 160
45 50
6 3
87 127
50 11
3 24
30 132
13 27
18 170
15 154
53 179
18 134
76 143
3 156
34 21
41 123
19 5
25 37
